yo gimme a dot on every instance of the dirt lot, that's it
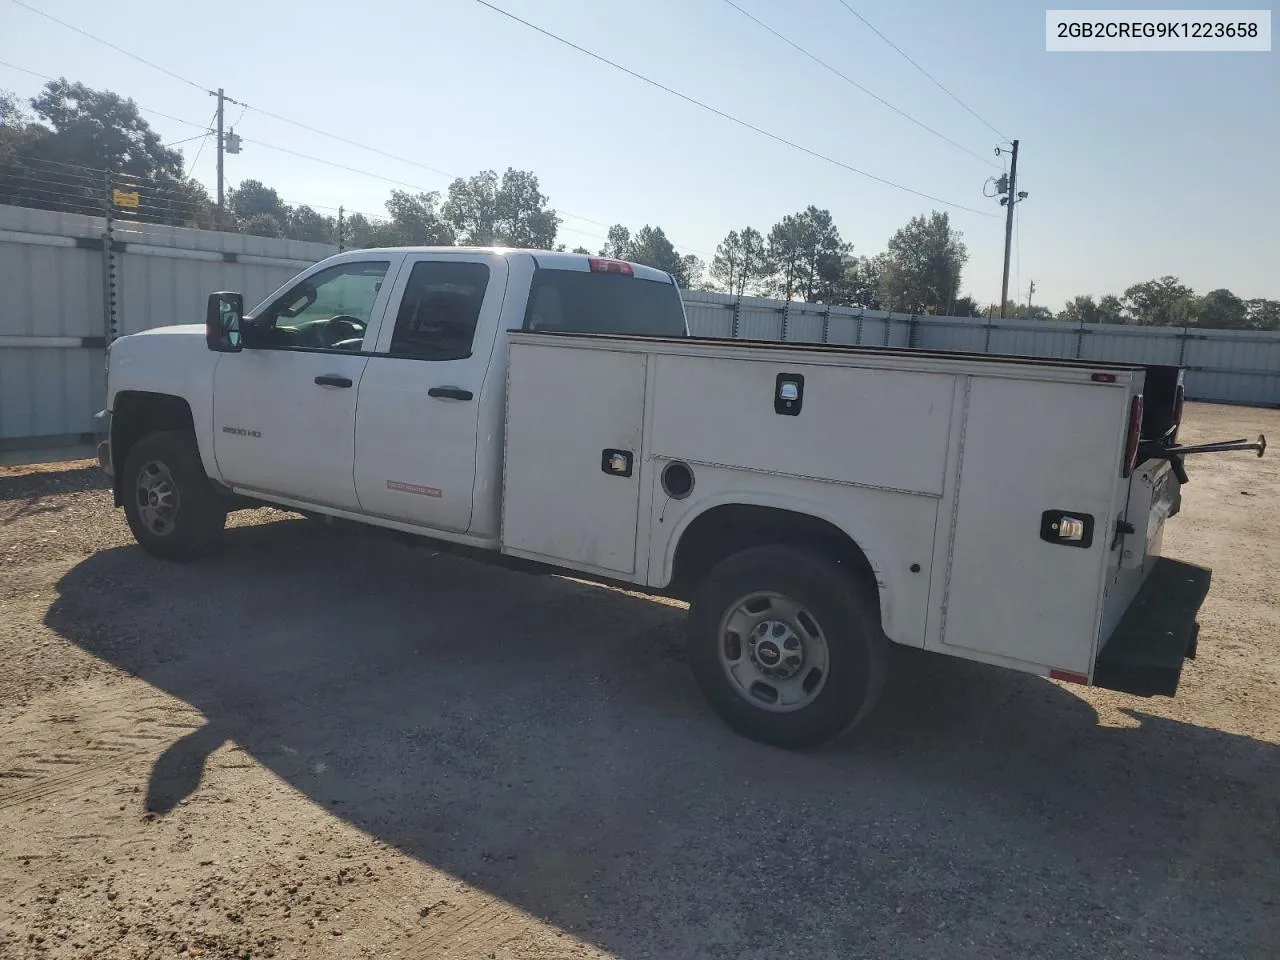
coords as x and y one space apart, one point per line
321 745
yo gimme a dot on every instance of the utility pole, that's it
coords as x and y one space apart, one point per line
1029 293
222 98
227 143
1009 189
340 225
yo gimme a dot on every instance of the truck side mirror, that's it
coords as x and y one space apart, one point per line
222 322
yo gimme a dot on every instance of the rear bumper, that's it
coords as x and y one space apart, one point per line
1157 634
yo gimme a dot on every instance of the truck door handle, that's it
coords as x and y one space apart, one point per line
449 393
333 380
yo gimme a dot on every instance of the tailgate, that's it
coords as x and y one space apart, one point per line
1150 605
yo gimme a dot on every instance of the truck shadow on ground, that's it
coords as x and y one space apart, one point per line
27 493
541 739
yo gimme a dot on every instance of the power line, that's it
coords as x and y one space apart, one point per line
353 143
421 189
192 83
202 144
854 83
55 182
14 66
727 116
306 156
938 83
340 166
266 113
324 206
283 119
178 143
324 133
167 116
389 155
85 33
49 79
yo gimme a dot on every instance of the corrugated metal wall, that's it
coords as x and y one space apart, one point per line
54 321
167 273
1231 366
757 318
51 292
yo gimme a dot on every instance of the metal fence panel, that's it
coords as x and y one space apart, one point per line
873 331
844 327
1236 366
53 313
49 392
53 318
899 335
760 322
1023 340
52 287
157 290
806 325
961 336
1121 344
710 319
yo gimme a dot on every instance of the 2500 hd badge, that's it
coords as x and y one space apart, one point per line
241 432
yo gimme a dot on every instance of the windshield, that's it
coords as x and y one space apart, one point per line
574 301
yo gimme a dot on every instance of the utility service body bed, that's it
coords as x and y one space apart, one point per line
997 499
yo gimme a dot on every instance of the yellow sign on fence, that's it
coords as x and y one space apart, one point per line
123 198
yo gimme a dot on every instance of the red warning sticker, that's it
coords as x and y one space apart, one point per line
413 488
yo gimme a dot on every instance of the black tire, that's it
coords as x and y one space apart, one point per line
194 528
855 646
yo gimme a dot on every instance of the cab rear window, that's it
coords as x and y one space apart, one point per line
574 301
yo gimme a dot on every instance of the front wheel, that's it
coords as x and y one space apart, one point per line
786 646
173 510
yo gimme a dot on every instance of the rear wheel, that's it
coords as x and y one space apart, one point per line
173 510
786 646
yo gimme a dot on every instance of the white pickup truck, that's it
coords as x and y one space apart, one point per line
815 504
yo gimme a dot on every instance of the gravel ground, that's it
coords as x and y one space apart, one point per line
324 745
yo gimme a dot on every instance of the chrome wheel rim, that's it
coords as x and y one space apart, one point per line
157 498
773 652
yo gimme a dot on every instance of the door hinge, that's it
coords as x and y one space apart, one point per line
1123 529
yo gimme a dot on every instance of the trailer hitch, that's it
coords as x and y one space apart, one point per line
1155 450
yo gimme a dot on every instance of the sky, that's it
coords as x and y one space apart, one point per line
1137 165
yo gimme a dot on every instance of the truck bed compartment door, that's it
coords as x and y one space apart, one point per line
1034 453
571 489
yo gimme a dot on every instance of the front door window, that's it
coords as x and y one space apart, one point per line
329 310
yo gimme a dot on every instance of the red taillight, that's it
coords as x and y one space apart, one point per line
601 265
1069 676
1135 435
1103 378
1178 397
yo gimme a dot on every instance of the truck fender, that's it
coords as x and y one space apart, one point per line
861 535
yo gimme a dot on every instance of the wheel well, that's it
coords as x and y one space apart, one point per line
137 413
729 529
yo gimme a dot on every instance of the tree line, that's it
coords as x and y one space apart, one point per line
1167 302
56 147
803 257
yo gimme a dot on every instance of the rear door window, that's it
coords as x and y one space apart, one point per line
439 310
